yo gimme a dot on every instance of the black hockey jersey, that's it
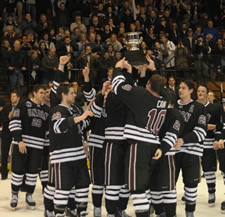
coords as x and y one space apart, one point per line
195 126
214 116
171 130
147 112
30 124
65 136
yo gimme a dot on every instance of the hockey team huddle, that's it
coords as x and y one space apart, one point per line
138 140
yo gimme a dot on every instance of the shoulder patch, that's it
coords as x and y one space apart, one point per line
127 87
56 116
28 104
176 125
202 120
16 113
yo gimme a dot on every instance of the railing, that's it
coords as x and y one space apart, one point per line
215 68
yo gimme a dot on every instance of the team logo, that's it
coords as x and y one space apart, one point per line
202 120
28 104
127 87
176 125
16 113
56 116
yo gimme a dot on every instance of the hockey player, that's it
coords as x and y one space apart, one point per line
163 183
45 156
147 114
28 126
189 145
215 125
67 154
95 143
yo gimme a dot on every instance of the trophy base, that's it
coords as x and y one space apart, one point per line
135 57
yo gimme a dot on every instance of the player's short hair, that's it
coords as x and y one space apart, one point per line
157 82
189 83
63 88
37 87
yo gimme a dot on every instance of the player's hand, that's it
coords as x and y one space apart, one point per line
64 59
215 145
120 63
179 143
22 147
86 70
158 154
105 87
151 65
221 144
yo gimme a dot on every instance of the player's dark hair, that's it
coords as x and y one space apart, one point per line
157 83
189 83
63 88
202 85
15 92
37 87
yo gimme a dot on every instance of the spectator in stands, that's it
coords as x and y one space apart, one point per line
62 14
78 24
31 8
211 30
100 44
28 25
16 64
10 22
183 31
66 48
92 59
114 42
201 66
143 47
174 34
181 55
168 48
152 20
162 27
101 14
126 5
157 55
106 33
95 23
49 66
46 39
112 26
82 43
75 35
25 45
4 49
35 67
42 49
10 6
127 18
218 55
10 35
104 63
111 15
43 25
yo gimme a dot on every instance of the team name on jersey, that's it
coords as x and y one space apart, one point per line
161 104
33 112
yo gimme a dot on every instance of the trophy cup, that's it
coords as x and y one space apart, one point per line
134 56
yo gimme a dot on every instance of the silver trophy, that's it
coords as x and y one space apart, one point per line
134 39
134 56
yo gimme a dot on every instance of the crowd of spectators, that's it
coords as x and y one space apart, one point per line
177 34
